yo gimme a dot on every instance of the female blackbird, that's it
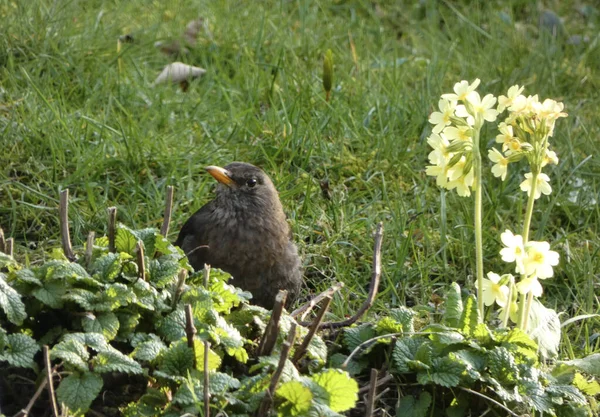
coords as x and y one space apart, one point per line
244 231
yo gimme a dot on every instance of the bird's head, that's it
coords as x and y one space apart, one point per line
244 184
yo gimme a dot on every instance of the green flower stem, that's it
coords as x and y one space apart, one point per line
524 303
527 308
511 289
478 220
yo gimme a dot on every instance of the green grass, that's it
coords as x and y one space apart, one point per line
70 119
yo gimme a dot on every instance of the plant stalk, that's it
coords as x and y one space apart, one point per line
478 221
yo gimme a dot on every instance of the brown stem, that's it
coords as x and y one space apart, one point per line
179 289
267 343
267 401
311 331
380 382
140 261
112 228
206 380
373 288
164 230
63 210
89 248
306 308
10 243
50 384
2 241
371 395
190 329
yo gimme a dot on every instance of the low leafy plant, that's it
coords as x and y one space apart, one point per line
113 322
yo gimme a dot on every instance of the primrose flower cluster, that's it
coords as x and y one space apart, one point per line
452 137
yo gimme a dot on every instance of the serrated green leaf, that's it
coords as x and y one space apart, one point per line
177 360
145 295
150 349
19 350
454 306
470 317
193 388
405 352
163 271
77 391
26 275
317 350
410 407
149 405
61 270
125 241
340 387
354 336
128 321
588 387
502 365
225 296
445 337
172 326
473 361
443 371
8 262
105 323
405 316
96 341
114 361
112 297
10 302
214 360
107 267
353 367
50 293
72 352
566 392
296 399
84 298
387 325
535 396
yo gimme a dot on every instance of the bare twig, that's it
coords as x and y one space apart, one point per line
267 400
2 241
372 392
112 228
490 400
267 343
89 248
50 384
206 380
10 243
179 288
63 210
190 329
140 261
373 288
206 275
164 230
307 308
381 381
311 331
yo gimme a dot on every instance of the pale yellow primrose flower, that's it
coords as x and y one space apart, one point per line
483 107
439 157
459 180
514 250
530 284
493 291
550 158
540 259
542 185
514 312
461 90
462 133
505 136
500 168
505 101
441 118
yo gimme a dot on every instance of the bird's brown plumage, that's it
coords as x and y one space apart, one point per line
244 231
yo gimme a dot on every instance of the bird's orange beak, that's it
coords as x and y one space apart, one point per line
220 174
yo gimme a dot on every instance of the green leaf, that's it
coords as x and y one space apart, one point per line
353 367
105 323
544 328
454 306
590 364
354 336
96 341
19 350
502 365
340 387
535 396
77 391
163 271
50 293
10 302
409 407
444 371
296 399
473 361
404 353
193 388
114 361
214 360
150 349
470 317
27 276
125 240
73 353
588 387
405 316
172 326
63 270
446 337
225 296
107 267
114 296
84 298
317 350
518 341
387 325
178 360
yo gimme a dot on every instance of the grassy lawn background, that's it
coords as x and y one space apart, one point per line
69 118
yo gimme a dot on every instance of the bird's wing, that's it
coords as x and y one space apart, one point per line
193 237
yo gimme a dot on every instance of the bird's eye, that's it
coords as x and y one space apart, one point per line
251 182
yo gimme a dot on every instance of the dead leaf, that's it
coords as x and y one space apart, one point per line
178 72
